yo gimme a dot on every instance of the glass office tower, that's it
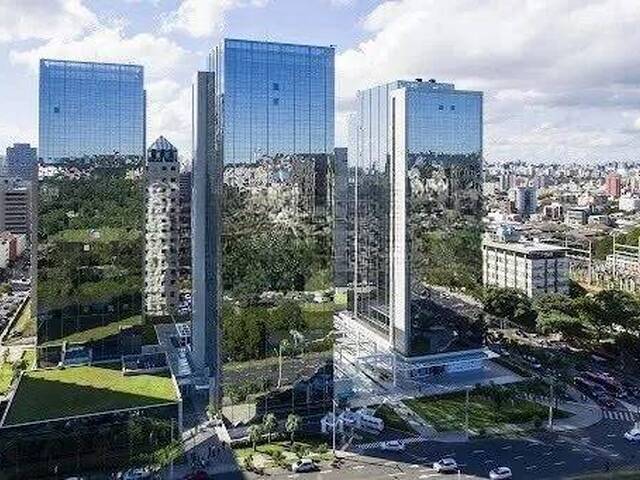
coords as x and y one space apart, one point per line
418 213
89 109
90 244
275 111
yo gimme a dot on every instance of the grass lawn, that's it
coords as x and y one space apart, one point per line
318 316
56 393
392 419
25 326
6 375
448 412
98 333
263 453
105 235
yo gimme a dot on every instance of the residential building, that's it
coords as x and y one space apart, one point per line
532 267
525 200
89 109
262 186
628 203
419 177
184 244
15 206
577 215
21 161
162 229
613 184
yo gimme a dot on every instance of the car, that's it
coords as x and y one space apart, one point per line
633 435
136 474
394 445
500 473
446 465
304 465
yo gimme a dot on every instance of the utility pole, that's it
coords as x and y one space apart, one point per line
551 401
333 433
466 412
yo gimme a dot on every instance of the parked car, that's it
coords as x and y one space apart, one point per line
446 465
136 474
500 473
633 435
304 465
394 445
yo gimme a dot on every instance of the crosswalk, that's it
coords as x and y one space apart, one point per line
374 445
621 415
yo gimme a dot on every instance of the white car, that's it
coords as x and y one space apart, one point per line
394 445
446 465
304 465
136 474
633 435
500 473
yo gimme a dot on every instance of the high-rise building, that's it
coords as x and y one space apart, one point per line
90 241
161 229
21 161
525 200
418 217
90 109
15 206
613 184
268 166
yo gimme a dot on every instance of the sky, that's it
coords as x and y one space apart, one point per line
561 78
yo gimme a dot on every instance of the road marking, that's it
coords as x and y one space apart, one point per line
397 474
610 445
415 465
588 459
430 475
357 467
531 467
518 457
325 471
611 435
546 454
478 451
489 461
389 463
614 455
507 447
559 463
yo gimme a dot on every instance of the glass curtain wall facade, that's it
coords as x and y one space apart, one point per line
275 111
89 109
90 243
419 211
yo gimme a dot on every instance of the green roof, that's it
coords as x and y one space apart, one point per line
58 393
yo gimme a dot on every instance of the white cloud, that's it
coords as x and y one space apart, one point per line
201 18
160 56
39 19
530 58
169 114
636 124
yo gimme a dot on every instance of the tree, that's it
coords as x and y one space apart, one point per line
269 424
511 304
293 425
255 434
569 327
554 302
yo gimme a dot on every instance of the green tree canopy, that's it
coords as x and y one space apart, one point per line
511 304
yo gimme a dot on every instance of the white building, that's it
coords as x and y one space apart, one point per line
533 267
628 203
162 230
577 215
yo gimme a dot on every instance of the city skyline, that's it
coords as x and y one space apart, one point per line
543 103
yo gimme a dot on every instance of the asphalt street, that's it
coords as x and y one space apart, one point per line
540 456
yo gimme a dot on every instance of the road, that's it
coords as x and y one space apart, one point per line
536 457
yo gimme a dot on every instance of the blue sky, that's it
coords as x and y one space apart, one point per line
561 78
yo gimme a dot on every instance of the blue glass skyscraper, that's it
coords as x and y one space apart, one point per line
265 193
90 109
418 211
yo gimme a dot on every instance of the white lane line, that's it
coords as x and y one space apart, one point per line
507 447
357 467
322 472
478 451
415 465
588 459
546 454
557 464
518 457
531 467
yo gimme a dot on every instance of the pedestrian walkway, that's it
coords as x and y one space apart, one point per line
622 415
